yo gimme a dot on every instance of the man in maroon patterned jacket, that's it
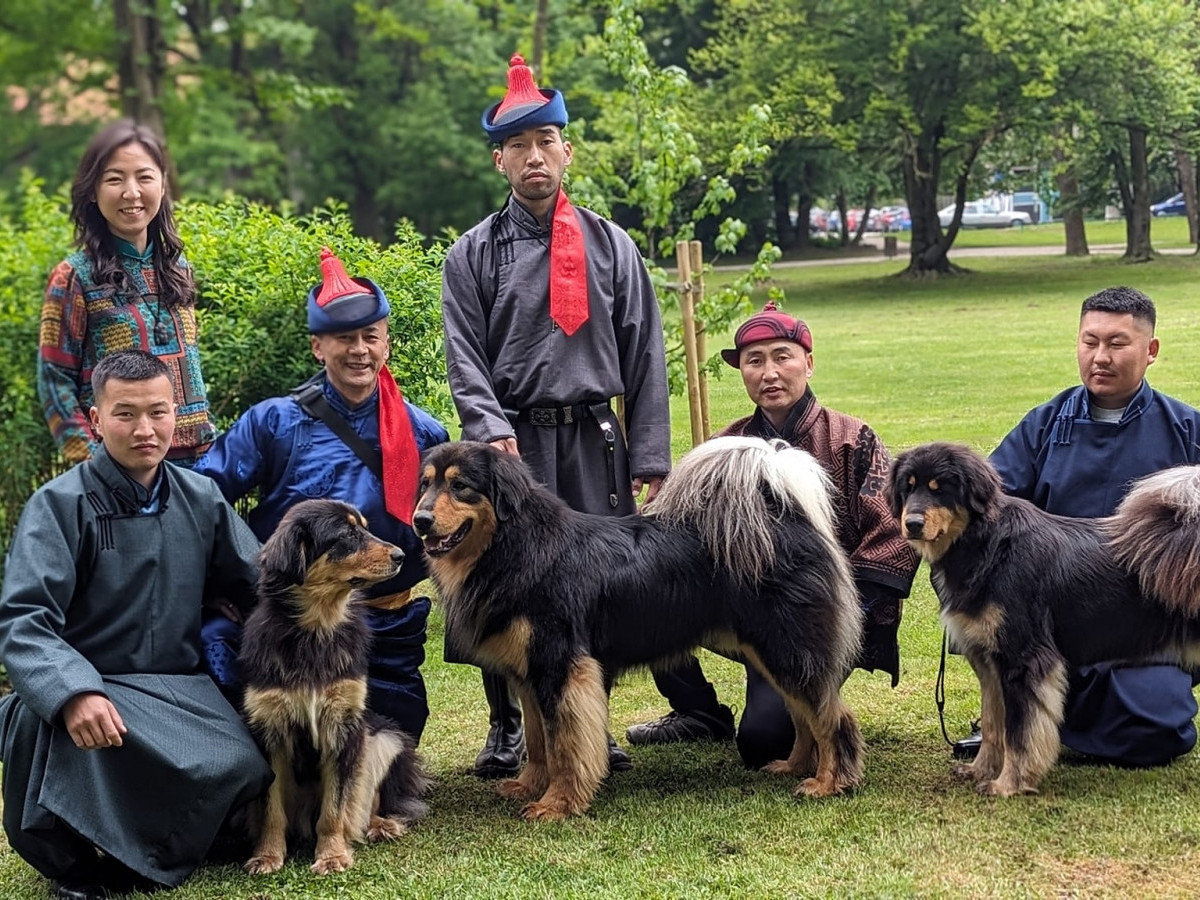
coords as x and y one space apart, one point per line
773 351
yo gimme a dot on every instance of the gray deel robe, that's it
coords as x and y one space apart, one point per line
99 598
504 353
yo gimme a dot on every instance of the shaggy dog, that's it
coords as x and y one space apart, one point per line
740 556
1025 594
304 664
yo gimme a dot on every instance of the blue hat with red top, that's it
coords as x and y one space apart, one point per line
525 106
341 303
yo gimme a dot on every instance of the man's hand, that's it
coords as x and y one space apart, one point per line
227 608
93 722
652 485
506 445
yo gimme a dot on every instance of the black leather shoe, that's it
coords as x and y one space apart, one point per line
676 727
968 747
504 750
69 890
618 757
503 753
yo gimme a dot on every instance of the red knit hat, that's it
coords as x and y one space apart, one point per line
771 324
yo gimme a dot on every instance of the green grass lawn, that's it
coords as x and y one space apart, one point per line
1165 232
960 358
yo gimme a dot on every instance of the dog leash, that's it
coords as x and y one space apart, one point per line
939 690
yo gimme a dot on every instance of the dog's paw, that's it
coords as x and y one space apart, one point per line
999 788
816 787
965 772
384 829
542 812
333 862
779 767
515 789
263 864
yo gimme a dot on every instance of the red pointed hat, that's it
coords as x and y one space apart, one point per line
772 324
341 303
524 106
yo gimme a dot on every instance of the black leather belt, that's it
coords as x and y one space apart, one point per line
553 415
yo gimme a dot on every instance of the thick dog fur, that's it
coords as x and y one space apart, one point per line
1025 594
304 664
740 556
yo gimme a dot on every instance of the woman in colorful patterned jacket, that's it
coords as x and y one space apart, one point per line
128 286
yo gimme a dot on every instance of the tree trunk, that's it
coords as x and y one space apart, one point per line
843 225
141 63
1187 179
1137 214
862 222
1072 213
541 22
785 233
922 170
803 214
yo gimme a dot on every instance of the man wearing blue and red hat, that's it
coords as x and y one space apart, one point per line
347 434
773 351
549 314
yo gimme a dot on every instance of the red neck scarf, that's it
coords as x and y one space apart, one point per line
401 459
568 268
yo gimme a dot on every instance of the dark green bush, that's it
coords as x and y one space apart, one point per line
253 269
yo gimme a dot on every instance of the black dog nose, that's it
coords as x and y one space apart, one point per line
914 525
397 555
422 521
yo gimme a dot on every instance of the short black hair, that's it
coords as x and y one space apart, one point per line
1122 300
127 365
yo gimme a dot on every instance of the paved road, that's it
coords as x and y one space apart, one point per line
955 254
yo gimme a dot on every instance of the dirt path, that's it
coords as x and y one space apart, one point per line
955 254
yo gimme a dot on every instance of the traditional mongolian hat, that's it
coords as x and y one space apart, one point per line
341 303
771 324
525 106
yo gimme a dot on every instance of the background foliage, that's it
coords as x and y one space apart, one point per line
254 268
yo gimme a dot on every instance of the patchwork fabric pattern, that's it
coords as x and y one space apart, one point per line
82 321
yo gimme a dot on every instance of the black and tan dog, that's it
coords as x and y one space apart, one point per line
304 665
1025 594
739 556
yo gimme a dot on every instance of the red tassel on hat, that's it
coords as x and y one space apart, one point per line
568 268
401 459
335 282
523 95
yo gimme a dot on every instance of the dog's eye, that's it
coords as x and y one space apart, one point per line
459 486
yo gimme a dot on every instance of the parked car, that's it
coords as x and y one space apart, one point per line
1172 206
980 214
894 218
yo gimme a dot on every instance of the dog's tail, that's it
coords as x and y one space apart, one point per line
726 488
1155 534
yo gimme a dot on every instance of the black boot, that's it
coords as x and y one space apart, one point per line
504 751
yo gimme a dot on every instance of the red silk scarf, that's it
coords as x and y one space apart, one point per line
401 459
568 268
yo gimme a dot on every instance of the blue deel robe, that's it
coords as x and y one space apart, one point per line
100 597
289 456
1069 464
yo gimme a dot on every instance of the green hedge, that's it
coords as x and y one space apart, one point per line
253 268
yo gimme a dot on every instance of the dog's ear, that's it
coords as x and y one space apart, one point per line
896 477
982 484
511 484
287 552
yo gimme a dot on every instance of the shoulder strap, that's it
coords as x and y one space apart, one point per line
311 398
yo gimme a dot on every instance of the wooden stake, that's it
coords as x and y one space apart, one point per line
688 314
